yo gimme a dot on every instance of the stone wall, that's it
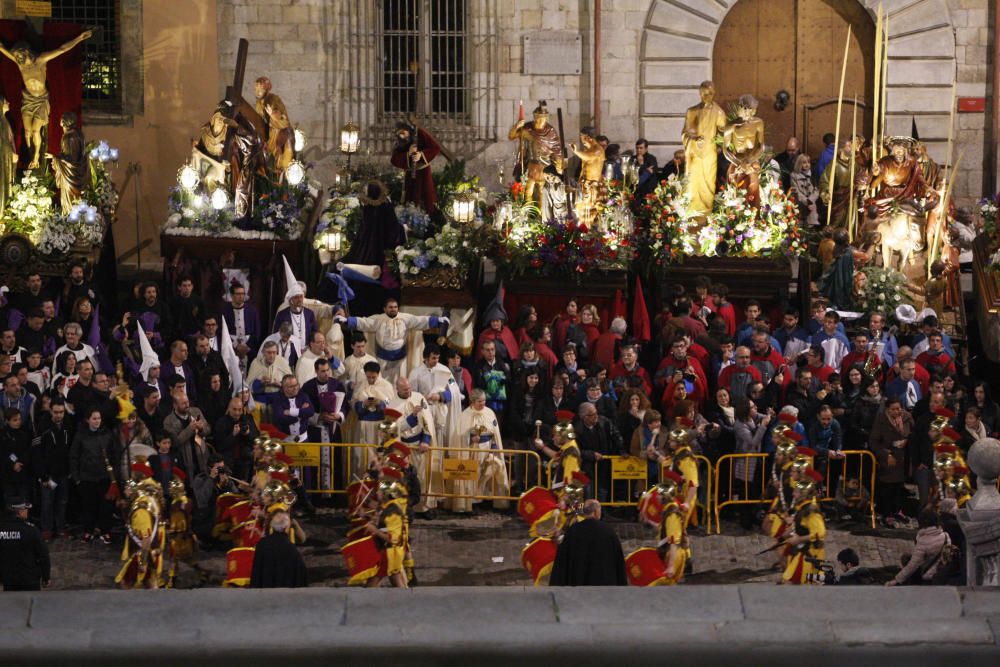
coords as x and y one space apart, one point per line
291 43
930 39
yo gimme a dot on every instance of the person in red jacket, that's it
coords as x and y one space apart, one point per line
739 376
414 150
859 355
678 360
590 325
605 351
628 371
497 331
702 299
723 308
936 359
561 324
815 363
765 358
541 336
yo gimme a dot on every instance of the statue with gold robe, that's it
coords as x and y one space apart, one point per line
702 123
279 142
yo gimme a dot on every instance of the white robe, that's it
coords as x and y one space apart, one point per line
390 335
427 465
492 468
366 432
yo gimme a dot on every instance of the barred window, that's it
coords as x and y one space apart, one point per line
102 62
436 59
423 57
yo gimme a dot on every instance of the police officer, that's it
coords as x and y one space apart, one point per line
24 557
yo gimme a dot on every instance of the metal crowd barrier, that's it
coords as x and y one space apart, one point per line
629 477
456 465
755 491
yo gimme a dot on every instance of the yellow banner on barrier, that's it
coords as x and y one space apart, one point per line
627 467
33 8
462 470
303 454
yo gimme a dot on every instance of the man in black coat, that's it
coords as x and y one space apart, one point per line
597 437
590 553
24 558
277 562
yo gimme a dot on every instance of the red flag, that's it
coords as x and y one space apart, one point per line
620 308
640 316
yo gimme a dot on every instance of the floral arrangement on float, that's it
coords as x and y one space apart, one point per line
988 208
734 228
338 224
199 207
877 289
34 213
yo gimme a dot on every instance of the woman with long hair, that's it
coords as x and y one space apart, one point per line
853 385
989 411
632 408
721 413
527 319
863 414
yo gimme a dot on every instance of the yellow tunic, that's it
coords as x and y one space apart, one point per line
808 520
684 464
142 568
394 523
673 544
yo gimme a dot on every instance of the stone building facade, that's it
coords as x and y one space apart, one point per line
322 56
653 55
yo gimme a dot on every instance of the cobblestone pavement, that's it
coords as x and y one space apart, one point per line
484 550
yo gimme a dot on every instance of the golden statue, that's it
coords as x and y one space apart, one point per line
702 123
592 191
539 150
70 166
279 142
743 144
35 97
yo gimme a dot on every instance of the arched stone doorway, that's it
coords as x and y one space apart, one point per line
679 44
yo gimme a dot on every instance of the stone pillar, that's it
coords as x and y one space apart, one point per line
980 520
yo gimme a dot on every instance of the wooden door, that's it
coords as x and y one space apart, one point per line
766 46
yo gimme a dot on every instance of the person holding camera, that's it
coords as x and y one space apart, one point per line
235 432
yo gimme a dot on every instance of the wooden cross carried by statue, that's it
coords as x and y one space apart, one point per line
239 108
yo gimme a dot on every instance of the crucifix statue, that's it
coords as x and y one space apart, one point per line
35 98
